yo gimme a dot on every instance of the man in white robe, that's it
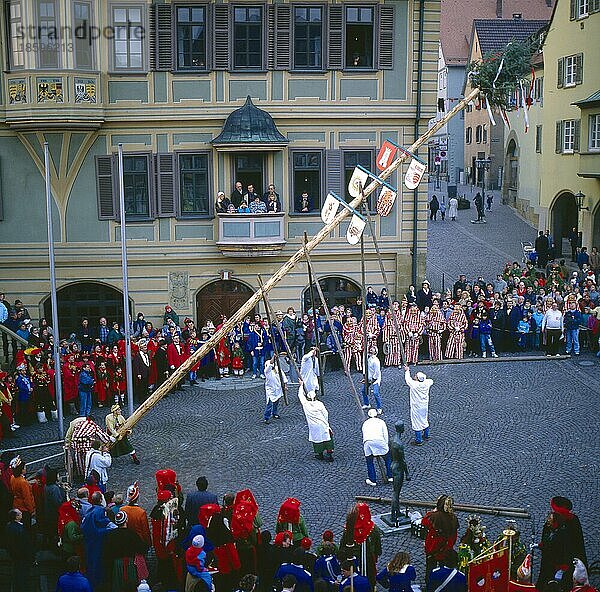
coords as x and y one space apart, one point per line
273 388
309 370
317 417
376 443
419 404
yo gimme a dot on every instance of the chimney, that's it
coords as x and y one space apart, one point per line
499 9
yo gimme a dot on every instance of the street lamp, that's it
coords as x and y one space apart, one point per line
483 165
580 197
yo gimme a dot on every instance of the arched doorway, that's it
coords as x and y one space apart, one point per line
596 231
337 291
511 173
564 216
223 297
91 300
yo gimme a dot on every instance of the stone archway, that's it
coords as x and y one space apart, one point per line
337 291
91 300
595 242
222 297
564 217
510 185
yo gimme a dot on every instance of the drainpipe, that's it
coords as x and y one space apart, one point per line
416 136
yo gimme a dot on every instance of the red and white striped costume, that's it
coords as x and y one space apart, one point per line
79 441
353 343
412 328
390 339
435 325
373 328
457 325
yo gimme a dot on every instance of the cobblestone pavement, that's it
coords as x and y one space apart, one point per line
475 249
514 434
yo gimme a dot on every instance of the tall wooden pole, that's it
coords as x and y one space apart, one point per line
238 317
315 319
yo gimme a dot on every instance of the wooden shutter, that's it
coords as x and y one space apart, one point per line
221 37
165 185
573 9
579 68
334 172
282 37
561 73
335 54
559 137
105 187
152 36
386 37
576 134
270 36
164 37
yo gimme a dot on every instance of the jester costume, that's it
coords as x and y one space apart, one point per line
290 519
457 325
435 324
412 327
353 344
373 328
391 343
245 528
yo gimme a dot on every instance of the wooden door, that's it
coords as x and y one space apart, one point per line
223 297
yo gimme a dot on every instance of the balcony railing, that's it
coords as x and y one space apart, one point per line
251 235
589 164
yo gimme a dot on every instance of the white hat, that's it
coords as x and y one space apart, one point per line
421 376
372 413
198 541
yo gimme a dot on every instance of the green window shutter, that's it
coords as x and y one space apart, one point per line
559 137
105 187
165 185
221 37
561 73
164 37
282 37
573 10
386 37
577 134
579 68
270 36
335 53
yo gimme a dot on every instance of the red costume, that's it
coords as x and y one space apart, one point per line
70 375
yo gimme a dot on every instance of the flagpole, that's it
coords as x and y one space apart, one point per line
126 322
364 314
53 298
314 316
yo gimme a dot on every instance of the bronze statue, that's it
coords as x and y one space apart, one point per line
399 468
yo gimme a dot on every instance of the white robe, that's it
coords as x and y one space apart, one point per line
309 371
453 208
419 401
273 388
375 437
316 417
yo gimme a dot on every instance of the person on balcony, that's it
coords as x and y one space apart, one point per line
271 198
237 195
222 203
251 194
257 206
243 209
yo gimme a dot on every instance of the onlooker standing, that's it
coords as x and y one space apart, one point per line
552 327
222 204
479 205
594 263
73 580
453 208
86 384
103 331
434 206
583 258
237 195
573 237
19 544
572 322
541 249
21 489
196 499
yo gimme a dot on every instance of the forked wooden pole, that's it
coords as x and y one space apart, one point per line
239 316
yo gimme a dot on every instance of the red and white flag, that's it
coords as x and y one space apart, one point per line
414 174
490 574
385 201
386 155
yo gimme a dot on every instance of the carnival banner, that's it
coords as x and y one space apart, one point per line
330 208
357 181
414 174
385 201
386 154
489 574
355 230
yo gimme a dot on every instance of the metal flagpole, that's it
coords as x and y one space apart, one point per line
127 326
53 299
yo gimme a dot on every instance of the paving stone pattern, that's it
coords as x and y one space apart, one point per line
511 434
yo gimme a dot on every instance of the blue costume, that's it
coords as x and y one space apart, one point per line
94 526
327 568
86 382
304 579
399 581
24 385
73 581
359 583
458 582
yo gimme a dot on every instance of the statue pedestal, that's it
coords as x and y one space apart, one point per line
387 526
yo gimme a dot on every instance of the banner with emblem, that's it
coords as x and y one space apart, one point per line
355 230
358 180
330 208
386 200
414 174
386 154
489 573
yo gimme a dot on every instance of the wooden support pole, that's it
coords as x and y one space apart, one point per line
239 316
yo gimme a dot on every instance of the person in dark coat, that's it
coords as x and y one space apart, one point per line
498 319
269 560
73 580
542 248
195 500
19 545
141 371
514 316
479 205
562 541
434 206
161 363
54 497
424 296
573 237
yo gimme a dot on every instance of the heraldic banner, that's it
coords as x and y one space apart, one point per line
489 573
